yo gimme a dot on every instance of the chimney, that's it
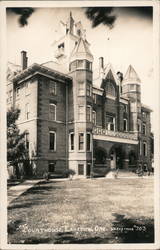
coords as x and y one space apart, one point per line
101 67
24 59
101 62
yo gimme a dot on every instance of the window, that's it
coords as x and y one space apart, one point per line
73 65
88 113
71 141
80 169
125 124
88 141
125 108
27 88
27 111
52 140
52 88
94 117
81 113
81 89
110 89
94 98
144 129
144 148
110 122
88 65
52 112
89 89
27 140
144 114
81 141
80 63
51 167
132 87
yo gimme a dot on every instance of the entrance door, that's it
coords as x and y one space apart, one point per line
113 160
88 170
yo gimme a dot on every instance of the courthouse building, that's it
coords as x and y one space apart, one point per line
90 121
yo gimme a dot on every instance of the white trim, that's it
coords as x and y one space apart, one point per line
97 91
55 87
111 97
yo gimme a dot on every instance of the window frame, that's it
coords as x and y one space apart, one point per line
145 149
94 117
109 124
27 111
81 91
51 92
125 125
50 113
81 150
144 129
55 141
89 107
90 144
70 141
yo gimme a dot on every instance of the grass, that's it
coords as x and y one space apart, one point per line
84 211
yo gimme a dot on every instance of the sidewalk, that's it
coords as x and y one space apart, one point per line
15 191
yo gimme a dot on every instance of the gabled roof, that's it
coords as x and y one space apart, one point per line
131 76
81 51
109 70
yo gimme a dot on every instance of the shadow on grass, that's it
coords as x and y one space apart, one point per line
129 230
12 226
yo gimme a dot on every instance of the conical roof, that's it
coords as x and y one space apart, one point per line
81 51
131 76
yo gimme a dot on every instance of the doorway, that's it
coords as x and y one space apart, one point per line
88 170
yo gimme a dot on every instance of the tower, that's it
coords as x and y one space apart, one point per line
63 47
131 89
81 71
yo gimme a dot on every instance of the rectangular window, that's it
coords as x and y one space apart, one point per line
94 117
52 88
51 167
52 140
124 124
144 129
88 142
81 91
110 122
27 111
80 169
81 113
71 141
88 113
81 141
145 149
52 112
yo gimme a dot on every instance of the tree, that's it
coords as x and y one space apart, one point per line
16 148
100 15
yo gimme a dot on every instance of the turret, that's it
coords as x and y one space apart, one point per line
131 89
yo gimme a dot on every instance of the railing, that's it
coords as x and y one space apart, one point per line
123 135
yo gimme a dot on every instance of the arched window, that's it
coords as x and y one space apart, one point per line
110 89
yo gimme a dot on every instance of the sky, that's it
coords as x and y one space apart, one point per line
130 41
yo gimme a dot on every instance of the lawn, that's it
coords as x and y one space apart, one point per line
84 211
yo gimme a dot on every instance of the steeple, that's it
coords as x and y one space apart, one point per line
81 51
131 76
